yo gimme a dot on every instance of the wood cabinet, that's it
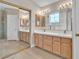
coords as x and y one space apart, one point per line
38 40
56 45
24 36
47 44
66 48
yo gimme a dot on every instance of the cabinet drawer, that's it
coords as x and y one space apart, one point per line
66 40
56 39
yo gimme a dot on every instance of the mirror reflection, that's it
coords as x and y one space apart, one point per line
14 29
24 18
58 16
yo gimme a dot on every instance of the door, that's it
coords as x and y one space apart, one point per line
75 29
12 27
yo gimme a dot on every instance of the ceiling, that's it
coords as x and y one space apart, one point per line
42 3
9 9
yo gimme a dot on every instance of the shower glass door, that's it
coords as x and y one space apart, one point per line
3 24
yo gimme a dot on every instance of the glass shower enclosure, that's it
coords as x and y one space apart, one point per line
3 24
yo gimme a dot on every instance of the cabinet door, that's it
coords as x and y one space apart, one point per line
47 45
56 45
40 41
66 48
24 36
20 35
36 39
27 37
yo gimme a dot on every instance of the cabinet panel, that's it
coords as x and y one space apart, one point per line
36 39
20 35
47 45
56 45
48 40
66 48
27 37
24 36
40 41
48 48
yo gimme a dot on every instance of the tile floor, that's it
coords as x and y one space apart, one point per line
10 47
18 50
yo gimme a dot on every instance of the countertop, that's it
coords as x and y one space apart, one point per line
66 35
24 30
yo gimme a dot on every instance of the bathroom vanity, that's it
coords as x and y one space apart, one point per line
24 36
58 44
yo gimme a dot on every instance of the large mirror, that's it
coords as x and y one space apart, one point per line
24 18
24 25
39 20
58 16
14 29
61 20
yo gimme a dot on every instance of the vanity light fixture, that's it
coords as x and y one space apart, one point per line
43 12
66 5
